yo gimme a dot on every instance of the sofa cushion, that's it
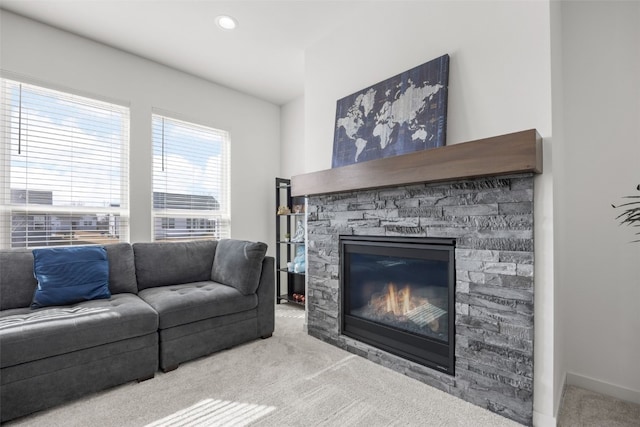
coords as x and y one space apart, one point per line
163 264
238 263
69 275
191 302
27 335
17 283
122 268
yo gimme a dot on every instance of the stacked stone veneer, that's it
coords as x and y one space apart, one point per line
492 222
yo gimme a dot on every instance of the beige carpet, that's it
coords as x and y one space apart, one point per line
584 408
290 379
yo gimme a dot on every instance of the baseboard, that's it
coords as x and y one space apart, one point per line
543 420
598 386
559 396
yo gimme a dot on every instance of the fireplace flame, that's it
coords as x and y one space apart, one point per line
396 301
405 306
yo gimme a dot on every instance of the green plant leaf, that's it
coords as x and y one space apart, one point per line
630 215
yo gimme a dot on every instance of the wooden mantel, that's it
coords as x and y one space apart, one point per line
517 152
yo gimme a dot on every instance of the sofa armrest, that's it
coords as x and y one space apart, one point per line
266 298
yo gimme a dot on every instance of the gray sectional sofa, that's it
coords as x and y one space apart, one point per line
169 303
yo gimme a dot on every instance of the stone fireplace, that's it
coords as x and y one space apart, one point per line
479 197
491 222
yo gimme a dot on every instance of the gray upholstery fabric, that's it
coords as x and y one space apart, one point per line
17 283
27 335
162 264
122 269
266 298
44 383
193 340
187 303
211 323
56 354
39 367
238 263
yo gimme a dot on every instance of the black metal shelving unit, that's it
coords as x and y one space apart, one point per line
289 285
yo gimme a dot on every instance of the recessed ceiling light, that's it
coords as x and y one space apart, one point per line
226 22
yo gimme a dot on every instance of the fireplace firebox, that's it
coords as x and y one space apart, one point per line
398 295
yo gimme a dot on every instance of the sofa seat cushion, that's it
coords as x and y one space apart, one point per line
191 302
27 335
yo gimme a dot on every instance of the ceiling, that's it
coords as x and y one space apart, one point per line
263 56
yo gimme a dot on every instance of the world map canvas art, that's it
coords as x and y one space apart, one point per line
400 115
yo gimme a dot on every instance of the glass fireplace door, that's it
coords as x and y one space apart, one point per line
398 295
400 292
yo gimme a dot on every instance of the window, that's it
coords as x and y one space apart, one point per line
190 181
168 223
64 174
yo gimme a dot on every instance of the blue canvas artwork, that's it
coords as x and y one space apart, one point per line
400 115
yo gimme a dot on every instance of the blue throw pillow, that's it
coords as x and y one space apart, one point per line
70 275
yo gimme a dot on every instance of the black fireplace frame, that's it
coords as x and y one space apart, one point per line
424 350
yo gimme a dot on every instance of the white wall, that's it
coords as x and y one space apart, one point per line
292 144
559 232
65 61
600 285
499 82
499 70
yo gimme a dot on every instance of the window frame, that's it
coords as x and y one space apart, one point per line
61 213
217 221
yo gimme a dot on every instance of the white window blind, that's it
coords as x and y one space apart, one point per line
64 168
190 181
